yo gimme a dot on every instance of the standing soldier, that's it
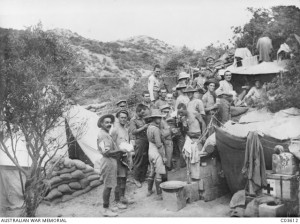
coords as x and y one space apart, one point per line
198 82
146 99
122 104
154 84
108 163
210 104
225 85
182 98
167 135
157 154
120 135
195 111
171 102
183 78
210 71
162 99
138 128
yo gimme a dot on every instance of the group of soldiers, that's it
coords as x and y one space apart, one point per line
158 131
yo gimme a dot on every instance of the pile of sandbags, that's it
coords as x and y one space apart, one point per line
70 179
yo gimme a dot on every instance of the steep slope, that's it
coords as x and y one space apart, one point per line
109 70
114 65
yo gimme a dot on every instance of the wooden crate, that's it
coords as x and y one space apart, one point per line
282 186
266 210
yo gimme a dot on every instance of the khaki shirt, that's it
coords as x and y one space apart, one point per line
154 136
137 123
255 93
181 99
153 86
210 73
225 87
109 145
194 106
165 130
159 103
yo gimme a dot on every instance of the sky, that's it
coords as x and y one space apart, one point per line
194 23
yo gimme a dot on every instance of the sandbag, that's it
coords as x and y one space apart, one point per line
65 176
88 169
66 198
93 177
54 173
87 189
68 163
56 201
55 180
75 185
252 209
78 174
54 193
64 188
66 170
64 182
90 173
56 168
79 164
95 183
77 193
84 182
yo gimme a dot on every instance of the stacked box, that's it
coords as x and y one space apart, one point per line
282 186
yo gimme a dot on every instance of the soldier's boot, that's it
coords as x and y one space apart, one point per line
150 186
158 189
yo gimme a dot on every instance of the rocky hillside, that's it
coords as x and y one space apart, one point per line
111 66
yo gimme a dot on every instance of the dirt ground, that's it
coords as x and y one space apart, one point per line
90 205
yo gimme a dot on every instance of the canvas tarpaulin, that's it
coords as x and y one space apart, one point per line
11 188
83 126
232 153
262 68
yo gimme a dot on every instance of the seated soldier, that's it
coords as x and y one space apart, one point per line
255 94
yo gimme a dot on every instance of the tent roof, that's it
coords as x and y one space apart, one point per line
281 125
55 137
262 68
87 139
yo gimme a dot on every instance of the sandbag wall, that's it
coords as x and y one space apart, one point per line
70 179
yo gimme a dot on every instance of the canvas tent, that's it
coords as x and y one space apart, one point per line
274 129
262 68
85 136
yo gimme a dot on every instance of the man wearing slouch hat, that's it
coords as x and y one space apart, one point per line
107 165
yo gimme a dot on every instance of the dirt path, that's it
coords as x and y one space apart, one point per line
90 205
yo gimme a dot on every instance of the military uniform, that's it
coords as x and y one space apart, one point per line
153 87
140 163
107 165
156 150
120 134
159 103
167 140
